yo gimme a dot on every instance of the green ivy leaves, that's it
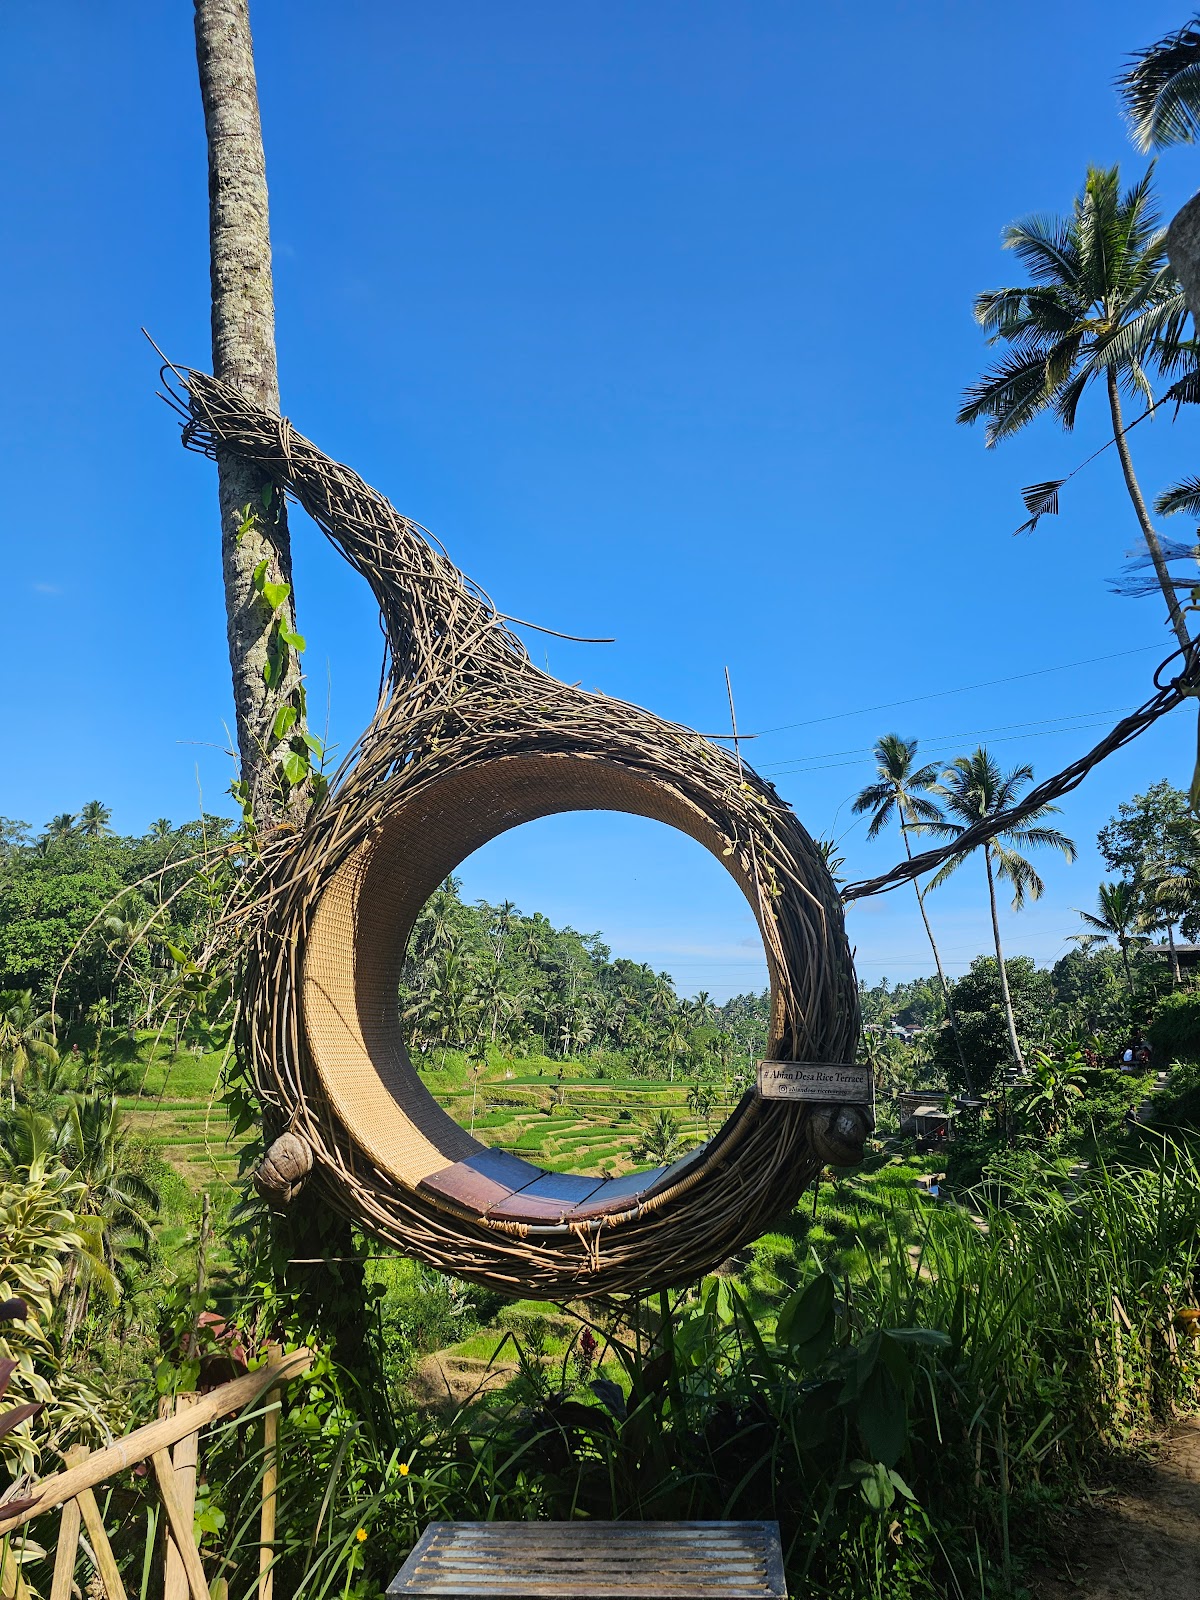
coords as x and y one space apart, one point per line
302 754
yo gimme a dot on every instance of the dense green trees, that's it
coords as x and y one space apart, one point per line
78 891
488 976
1154 842
989 1012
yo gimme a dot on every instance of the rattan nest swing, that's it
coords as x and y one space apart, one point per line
470 739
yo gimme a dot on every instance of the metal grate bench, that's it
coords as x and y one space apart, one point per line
596 1561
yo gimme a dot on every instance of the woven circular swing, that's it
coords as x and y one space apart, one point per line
469 740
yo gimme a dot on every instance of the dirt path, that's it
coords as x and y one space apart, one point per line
1143 1541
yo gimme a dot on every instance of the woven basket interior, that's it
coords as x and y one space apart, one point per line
356 946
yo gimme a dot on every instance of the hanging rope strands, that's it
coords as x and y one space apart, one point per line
470 739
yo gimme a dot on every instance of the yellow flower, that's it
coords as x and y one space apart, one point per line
404 1469
361 1535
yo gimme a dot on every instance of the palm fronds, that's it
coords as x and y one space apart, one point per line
1160 88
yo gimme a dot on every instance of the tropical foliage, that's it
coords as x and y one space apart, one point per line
1103 305
1161 89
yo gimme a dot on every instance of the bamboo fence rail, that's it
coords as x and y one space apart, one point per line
171 1445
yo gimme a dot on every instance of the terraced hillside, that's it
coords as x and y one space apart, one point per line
177 1111
556 1114
549 1112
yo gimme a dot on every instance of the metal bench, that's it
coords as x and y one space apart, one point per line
596 1561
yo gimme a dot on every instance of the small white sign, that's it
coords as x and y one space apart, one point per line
811 1080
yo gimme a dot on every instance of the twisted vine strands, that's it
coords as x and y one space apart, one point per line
468 739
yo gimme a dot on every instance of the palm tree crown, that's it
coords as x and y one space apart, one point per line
94 819
1161 89
974 789
1103 299
899 787
61 827
1104 303
1119 916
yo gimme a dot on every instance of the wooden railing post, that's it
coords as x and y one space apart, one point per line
152 1437
106 1562
270 1485
181 1522
65 1552
184 1457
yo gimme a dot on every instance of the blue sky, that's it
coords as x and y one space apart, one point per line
658 316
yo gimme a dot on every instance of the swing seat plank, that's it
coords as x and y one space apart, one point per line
595 1561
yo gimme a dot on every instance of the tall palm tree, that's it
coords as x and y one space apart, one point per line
972 790
703 1009
253 519
503 920
701 1099
91 1142
1104 304
60 829
1120 917
535 938
675 1043
26 1036
94 818
902 790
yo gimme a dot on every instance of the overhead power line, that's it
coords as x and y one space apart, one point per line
1069 723
966 688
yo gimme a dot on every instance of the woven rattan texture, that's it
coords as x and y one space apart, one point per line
470 739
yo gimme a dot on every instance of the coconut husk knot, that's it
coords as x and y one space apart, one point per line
837 1134
280 1175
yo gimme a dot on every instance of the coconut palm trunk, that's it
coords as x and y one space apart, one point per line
1124 947
937 961
1149 532
255 547
254 527
1009 1015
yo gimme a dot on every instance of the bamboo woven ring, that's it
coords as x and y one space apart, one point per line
471 740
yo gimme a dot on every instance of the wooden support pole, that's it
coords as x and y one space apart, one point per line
65 1552
106 1562
161 1435
184 1458
180 1520
270 1486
